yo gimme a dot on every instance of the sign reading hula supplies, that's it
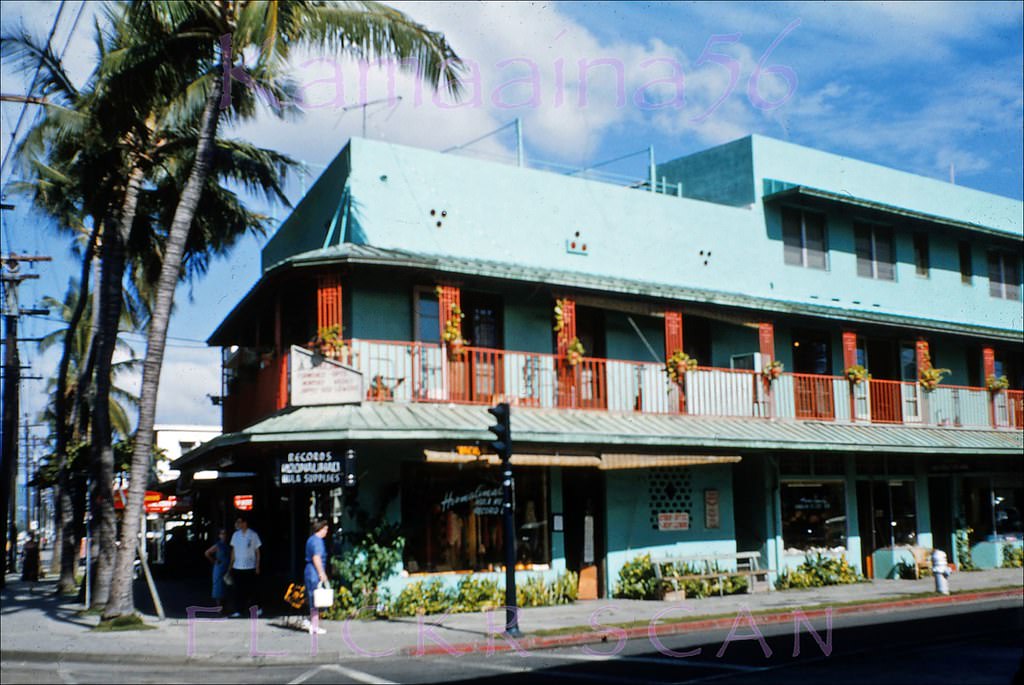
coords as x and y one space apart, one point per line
318 380
311 469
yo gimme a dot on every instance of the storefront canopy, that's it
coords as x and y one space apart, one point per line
538 431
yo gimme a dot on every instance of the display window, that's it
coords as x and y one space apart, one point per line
452 518
813 516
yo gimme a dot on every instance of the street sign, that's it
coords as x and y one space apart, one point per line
316 379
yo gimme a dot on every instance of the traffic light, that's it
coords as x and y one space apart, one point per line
350 469
502 430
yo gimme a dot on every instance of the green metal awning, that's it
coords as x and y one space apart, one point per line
775 191
576 430
349 253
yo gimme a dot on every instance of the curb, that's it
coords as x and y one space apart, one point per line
505 645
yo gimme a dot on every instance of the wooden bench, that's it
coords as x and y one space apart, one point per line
748 566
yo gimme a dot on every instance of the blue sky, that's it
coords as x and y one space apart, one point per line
914 86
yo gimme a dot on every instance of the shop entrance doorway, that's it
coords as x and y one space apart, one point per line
583 504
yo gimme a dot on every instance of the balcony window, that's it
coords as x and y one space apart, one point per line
813 516
922 263
875 254
966 270
803 237
1003 275
427 314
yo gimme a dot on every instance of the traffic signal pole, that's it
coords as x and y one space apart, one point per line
503 446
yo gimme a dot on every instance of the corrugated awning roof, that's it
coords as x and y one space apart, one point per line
595 431
350 253
780 190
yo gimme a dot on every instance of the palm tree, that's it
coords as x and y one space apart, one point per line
269 30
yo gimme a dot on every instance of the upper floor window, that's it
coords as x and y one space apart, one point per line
803 237
428 327
1003 275
875 254
921 258
966 271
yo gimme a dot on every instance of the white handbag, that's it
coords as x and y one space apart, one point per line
323 596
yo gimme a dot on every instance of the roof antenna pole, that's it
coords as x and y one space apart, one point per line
952 174
519 142
653 172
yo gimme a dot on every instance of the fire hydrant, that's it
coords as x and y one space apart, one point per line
940 569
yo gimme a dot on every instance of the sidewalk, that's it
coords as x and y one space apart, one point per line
35 624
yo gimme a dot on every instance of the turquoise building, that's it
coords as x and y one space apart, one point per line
763 347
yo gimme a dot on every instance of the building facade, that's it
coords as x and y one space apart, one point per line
738 355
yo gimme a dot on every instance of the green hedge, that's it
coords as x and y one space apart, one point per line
818 571
638 581
473 594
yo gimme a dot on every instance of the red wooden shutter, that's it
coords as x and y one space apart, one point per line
673 333
766 338
328 302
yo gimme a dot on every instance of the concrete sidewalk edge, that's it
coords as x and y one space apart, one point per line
500 643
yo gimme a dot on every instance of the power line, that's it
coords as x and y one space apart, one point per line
31 89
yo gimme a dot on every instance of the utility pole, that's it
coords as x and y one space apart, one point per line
11 278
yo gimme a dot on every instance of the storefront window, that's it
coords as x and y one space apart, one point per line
813 516
452 518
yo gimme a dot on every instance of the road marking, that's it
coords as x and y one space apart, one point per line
358 676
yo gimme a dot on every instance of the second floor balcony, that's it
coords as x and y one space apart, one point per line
256 385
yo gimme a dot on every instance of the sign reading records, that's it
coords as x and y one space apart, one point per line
311 468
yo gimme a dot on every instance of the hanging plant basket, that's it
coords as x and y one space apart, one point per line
574 352
329 343
856 374
559 315
678 364
452 335
773 371
456 348
930 377
996 383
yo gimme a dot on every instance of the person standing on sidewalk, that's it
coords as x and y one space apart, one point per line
245 566
219 555
315 573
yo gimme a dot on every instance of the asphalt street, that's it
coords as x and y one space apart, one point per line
980 643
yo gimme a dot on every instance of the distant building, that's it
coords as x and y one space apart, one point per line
453 284
176 440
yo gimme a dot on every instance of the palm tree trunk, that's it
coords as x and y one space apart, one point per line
111 279
121 599
64 551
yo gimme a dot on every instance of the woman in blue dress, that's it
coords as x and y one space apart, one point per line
314 573
219 555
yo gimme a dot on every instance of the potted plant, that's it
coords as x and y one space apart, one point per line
856 374
774 370
930 377
574 352
453 332
995 384
559 317
329 343
678 364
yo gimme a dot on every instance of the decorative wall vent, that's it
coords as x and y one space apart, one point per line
576 244
669 491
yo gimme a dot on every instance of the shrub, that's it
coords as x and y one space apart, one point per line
370 562
637 580
532 593
564 588
478 595
344 606
1013 557
963 549
818 571
423 597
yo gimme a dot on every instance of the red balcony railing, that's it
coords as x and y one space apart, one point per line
425 372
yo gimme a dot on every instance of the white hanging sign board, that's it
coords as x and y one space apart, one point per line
318 380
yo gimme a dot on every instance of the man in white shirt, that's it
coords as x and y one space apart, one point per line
245 566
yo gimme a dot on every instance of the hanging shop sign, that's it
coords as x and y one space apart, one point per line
313 469
711 510
243 502
316 379
674 520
